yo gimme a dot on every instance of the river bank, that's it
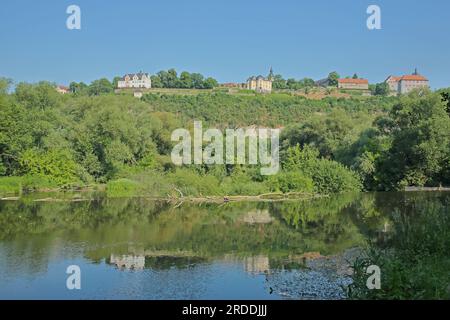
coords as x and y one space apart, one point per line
89 194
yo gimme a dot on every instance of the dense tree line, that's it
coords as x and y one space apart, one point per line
332 145
280 83
186 80
407 146
163 79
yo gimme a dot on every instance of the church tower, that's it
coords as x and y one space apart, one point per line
271 75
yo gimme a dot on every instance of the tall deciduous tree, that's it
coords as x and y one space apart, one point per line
333 79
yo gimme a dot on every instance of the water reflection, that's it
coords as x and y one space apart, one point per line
277 250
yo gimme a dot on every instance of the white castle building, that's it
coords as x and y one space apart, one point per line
135 80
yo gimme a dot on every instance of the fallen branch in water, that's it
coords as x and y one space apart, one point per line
267 197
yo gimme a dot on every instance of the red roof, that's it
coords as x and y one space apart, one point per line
414 77
354 81
410 77
394 78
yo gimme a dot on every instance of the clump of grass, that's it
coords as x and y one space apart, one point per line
122 188
10 185
38 183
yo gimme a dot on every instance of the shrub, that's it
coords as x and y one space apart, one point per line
57 166
122 188
328 176
332 177
294 181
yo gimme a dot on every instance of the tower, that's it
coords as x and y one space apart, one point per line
270 77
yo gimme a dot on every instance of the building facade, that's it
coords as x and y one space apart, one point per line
353 84
259 84
135 80
407 83
392 82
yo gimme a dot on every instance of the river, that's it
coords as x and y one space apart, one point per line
136 248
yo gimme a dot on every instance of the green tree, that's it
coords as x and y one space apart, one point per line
197 80
101 86
41 96
420 146
115 82
172 79
5 84
292 84
279 82
328 176
78 88
381 89
210 83
156 81
186 80
308 82
333 78
56 165
446 99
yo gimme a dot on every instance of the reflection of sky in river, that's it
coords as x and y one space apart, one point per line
216 280
226 278
135 249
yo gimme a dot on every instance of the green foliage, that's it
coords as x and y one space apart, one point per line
39 182
333 78
190 183
291 182
271 111
5 84
292 84
79 88
445 93
56 165
2 169
328 176
380 89
331 134
42 96
242 184
332 177
100 86
210 83
391 142
419 131
186 80
122 188
415 260
10 185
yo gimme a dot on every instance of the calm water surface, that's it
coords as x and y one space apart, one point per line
141 249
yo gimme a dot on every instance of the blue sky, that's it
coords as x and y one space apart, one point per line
229 40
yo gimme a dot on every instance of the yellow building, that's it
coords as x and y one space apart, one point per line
261 84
